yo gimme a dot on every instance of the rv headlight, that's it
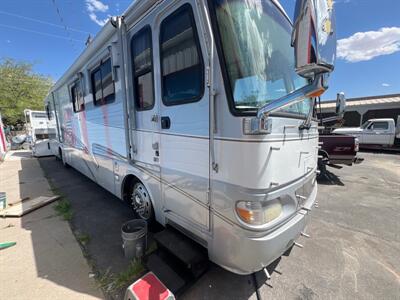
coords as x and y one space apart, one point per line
257 213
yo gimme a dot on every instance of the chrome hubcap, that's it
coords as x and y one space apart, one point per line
141 201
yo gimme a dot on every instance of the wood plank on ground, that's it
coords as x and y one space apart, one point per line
27 206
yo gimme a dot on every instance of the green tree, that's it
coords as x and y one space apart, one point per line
20 88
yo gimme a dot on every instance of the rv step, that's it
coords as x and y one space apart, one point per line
165 273
189 253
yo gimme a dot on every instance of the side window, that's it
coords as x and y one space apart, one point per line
78 101
380 125
143 69
102 83
181 59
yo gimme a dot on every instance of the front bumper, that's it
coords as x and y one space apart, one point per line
244 252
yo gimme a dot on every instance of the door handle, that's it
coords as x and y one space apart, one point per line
165 122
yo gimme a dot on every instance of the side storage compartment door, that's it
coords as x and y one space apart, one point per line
184 118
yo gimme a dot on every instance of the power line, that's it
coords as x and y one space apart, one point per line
42 22
40 32
63 23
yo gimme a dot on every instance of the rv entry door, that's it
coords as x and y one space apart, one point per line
184 119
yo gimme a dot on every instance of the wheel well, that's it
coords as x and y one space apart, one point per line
323 153
127 186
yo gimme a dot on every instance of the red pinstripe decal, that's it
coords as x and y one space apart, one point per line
84 132
107 132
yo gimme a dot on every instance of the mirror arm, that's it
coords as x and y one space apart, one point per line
311 90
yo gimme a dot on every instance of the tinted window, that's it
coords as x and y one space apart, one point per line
380 125
97 90
143 69
103 84
182 68
78 101
107 81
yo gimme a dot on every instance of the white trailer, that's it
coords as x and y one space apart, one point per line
193 113
36 124
40 130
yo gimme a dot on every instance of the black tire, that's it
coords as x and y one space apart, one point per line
62 158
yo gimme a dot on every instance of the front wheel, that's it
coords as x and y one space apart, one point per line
62 158
141 202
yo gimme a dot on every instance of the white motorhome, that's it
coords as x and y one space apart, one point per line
200 115
39 130
374 132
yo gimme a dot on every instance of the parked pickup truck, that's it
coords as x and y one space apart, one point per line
374 132
337 150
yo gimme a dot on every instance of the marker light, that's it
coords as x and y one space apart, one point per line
356 145
255 213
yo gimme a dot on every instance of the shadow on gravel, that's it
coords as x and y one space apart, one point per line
22 154
329 178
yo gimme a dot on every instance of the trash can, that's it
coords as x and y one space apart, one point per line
134 238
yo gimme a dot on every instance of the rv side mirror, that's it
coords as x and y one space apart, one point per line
314 37
340 104
314 42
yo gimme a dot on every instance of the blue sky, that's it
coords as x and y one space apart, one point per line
368 33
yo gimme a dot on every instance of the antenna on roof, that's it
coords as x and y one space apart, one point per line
88 40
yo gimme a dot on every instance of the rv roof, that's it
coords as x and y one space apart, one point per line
382 119
132 14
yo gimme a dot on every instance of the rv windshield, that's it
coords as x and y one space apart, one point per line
259 60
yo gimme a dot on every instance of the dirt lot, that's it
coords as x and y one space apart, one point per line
353 252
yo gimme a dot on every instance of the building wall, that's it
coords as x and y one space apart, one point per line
355 116
352 118
381 113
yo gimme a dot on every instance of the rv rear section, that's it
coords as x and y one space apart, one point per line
194 113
